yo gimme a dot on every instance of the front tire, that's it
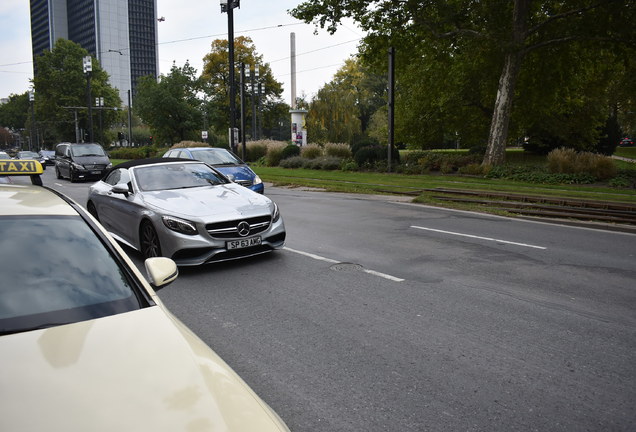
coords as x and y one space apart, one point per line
92 210
71 176
150 246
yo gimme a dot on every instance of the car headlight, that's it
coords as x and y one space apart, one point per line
275 213
257 180
179 225
109 166
77 166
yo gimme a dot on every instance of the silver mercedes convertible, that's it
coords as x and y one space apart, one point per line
184 210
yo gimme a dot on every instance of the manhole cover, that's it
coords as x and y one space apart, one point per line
346 267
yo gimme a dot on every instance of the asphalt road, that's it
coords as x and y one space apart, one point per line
388 316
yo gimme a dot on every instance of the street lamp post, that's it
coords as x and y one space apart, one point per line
261 91
99 103
32 101
228 6
242 96
255 77
88 68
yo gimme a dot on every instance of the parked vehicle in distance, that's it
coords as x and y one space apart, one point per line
626 142
223 160
5 156
185 210
80 161
31 155
87 345
48 156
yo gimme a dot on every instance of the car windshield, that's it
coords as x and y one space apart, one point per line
55 271
87 150
28 155
176 176
216 157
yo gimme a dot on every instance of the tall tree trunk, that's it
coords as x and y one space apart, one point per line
496 150
498 136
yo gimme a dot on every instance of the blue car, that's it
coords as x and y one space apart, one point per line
223 160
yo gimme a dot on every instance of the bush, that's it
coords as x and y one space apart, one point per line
289 151
368 142
185 144
472 169
274 153
294 162
423 161
311 151
327 163
255 150
569 161
349 165
136 152
370 155
531 174
342 151
624 179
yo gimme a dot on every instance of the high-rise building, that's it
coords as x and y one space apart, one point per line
121 34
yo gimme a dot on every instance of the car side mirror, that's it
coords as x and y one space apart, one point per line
231 177
161 271
121 188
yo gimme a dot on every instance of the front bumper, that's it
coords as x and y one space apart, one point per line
199 249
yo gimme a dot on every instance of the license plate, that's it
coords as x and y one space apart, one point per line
96 172
243 243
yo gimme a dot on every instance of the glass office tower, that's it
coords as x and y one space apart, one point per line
121 34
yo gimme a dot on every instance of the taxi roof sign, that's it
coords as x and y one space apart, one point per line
13 167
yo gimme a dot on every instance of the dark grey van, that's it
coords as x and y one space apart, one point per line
80 161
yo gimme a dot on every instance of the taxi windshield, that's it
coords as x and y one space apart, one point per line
55 270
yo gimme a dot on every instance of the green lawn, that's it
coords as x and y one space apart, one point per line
383 183
627 152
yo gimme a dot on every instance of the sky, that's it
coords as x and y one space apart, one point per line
187 31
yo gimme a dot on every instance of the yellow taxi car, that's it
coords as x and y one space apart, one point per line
86 344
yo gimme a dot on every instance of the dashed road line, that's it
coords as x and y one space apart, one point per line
479 237
329 260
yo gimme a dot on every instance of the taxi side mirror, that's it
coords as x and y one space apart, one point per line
161 271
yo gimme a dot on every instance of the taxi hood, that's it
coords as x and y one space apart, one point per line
141 370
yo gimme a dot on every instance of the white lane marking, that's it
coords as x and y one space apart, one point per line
383 275
329 260
478 237
310 255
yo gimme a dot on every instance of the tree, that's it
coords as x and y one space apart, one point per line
333 116
6 138
215 78
170 105
342 109
486 44
14 113
61 90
